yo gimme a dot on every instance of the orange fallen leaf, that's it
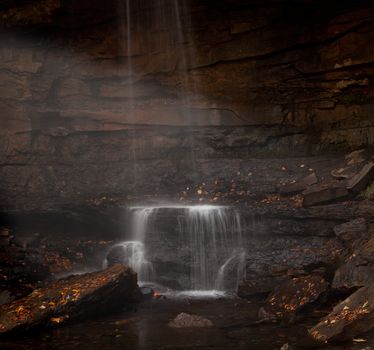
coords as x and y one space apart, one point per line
57 319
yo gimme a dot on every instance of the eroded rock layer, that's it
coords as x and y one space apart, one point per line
94 85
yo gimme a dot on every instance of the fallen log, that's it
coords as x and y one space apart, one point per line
74 297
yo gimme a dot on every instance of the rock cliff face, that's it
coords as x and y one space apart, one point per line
86 107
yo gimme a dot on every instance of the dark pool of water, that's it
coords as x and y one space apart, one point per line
147 328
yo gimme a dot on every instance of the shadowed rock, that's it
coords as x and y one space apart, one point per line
290 297
71 298
260 285
351 231
324 193
355 273
358 269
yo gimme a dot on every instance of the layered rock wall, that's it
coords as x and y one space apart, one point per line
234 79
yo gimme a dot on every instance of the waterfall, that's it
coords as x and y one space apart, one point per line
203 242
214 238
201 248
132 253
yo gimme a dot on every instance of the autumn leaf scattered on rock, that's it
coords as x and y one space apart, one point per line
297 201
271 198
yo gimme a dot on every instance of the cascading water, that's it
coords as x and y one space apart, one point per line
214 238
132 253
207 238
205 245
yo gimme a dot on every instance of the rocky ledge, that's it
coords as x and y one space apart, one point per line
70 298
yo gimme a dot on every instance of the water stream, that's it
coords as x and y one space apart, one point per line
206 243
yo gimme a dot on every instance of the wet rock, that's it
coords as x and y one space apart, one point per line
352 231
70 298
184 320
147 292
324 193
116 255
299 186
290 297
352 317
260 285
361 180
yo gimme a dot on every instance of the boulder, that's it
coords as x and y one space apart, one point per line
70 298
184 320
290 297
350 318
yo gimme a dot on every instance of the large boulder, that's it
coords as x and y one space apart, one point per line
70 298
350 318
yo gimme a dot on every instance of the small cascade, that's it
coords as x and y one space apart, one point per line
139 222
235 262
215 239
132 253
204 243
